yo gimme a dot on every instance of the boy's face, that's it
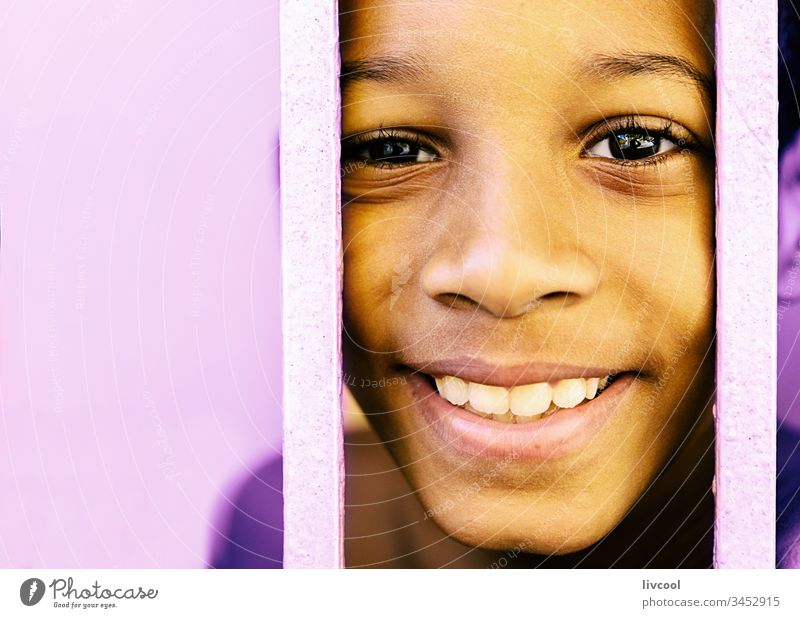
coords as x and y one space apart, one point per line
528 202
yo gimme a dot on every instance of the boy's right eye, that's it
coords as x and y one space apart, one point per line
386 150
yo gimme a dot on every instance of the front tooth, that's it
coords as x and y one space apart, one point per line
591 387
454 389
488 399
531 399
569 393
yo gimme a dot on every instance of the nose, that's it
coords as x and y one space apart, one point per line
510 257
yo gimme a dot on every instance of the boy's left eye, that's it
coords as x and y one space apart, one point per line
630 145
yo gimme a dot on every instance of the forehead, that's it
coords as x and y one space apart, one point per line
520 34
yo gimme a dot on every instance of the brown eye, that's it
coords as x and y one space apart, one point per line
389 151
631 145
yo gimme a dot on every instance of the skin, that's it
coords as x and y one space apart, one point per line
514 236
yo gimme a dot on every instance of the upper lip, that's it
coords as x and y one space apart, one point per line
508 376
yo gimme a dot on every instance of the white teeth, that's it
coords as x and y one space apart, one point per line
591 387
454 389
524 402
488 399
531 399
569 393
467 406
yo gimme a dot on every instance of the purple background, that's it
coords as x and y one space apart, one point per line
139 274
139 318
789 286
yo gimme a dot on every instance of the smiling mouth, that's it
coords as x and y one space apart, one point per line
523 403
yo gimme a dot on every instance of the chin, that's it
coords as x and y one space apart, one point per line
513 529
554 542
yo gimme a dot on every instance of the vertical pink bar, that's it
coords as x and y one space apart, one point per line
747 184
312 279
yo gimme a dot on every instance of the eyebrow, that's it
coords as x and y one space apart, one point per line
382 69
632 64
392 69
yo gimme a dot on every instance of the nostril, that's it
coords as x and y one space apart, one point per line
455 301
562 297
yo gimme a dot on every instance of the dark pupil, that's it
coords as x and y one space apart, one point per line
633 145
393 151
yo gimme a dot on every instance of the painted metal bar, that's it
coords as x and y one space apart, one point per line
747 167
313 481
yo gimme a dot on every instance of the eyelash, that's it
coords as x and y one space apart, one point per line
354 143
633 124
351 145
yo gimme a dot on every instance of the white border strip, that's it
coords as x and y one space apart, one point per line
747 198
313 477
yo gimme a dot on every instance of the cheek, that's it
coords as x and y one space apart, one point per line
658 264
683 277
664 246
678 279
381 253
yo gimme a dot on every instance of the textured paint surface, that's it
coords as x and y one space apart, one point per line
312 275
139 276
747 149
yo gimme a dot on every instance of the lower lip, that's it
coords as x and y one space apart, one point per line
558 435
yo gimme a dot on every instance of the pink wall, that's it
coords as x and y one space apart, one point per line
139 317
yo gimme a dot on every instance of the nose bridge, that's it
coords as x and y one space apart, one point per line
523 223
508 215
511 253
505 261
